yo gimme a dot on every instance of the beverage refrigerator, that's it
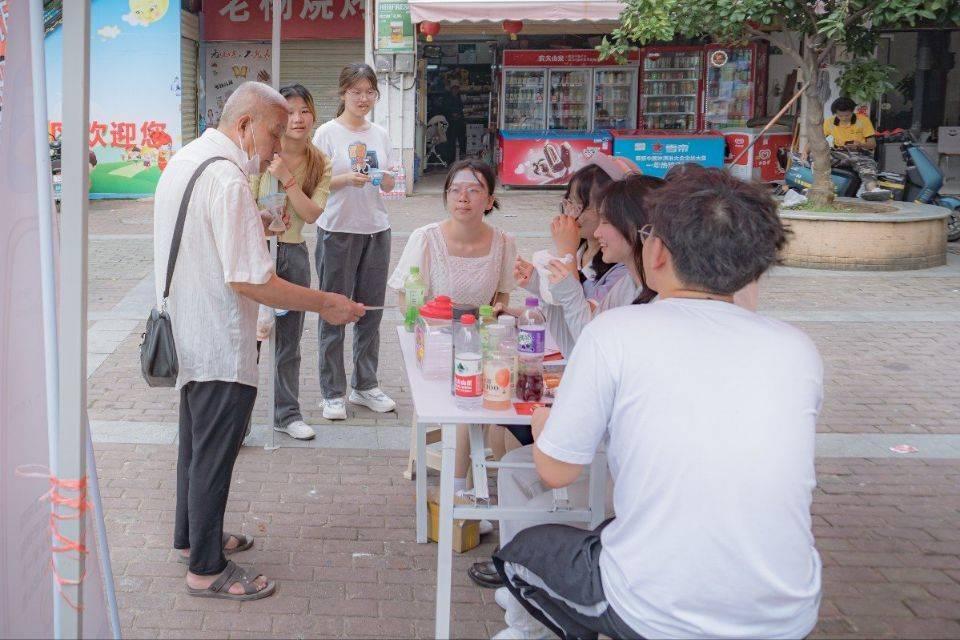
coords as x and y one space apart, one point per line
671 89
557 107
735 85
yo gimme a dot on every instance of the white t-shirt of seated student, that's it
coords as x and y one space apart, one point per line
710 411
355 209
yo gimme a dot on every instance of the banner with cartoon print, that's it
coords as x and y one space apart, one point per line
134 93
228 65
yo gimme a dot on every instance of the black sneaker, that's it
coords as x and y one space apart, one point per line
485 574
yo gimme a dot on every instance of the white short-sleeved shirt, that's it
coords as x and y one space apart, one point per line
710 412
223 241
465 280
355 209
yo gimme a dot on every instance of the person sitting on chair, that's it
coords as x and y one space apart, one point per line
853 142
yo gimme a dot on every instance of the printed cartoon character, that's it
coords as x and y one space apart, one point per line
357 152
147 11
161 145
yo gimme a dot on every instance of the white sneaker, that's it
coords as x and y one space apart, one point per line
335 409
502 597
512 633
298 429
373 399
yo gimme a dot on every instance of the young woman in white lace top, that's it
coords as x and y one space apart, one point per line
464 258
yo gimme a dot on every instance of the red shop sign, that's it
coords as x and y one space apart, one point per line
555 58
302 19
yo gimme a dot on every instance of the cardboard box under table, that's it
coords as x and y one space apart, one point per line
433 404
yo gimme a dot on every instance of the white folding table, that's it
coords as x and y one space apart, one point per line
434 404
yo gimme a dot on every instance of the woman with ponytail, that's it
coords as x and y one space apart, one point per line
353 241
303 172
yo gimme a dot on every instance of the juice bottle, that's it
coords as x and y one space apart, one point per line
531 339
498 370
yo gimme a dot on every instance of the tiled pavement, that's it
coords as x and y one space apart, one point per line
339 521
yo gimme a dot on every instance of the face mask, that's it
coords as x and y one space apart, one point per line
251 164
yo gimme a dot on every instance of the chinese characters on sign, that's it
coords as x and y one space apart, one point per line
122 135
302 19
226 68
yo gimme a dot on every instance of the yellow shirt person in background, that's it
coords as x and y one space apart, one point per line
853 141
303 172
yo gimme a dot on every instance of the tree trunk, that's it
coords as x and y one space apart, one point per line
821 193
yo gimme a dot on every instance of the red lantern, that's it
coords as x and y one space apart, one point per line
513 27
429 29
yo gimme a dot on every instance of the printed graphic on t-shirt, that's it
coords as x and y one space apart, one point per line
361 158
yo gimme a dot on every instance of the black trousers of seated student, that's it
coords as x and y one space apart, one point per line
213 419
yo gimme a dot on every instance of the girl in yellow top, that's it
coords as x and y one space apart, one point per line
303 172
853 142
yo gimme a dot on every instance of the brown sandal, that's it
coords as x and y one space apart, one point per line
232 575
243 543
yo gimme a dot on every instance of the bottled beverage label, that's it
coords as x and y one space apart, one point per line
468 375
415 297
531 339
497 382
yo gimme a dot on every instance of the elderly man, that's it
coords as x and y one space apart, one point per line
223 271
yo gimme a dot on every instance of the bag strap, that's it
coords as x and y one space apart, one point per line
181 219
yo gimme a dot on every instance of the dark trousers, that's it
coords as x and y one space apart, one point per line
356 265
293 265
213 418
456 136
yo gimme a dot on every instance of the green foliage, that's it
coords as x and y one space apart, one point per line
865 79
826 23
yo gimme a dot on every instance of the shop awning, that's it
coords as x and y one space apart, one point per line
496 10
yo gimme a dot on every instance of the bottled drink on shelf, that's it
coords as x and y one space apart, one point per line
467 364
414 290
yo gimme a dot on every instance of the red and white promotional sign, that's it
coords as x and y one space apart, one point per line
760 163
530 162
559 58
301 19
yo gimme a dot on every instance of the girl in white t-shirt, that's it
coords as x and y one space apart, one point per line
462 257
353 240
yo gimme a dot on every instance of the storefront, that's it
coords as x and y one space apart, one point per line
318 40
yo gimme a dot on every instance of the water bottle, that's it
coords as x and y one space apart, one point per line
508 345
498 368
467 364
414 291
531 337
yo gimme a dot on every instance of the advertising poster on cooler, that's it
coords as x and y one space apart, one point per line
546 158
760 162
134 93
656 152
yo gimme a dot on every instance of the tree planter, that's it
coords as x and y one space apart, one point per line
896 236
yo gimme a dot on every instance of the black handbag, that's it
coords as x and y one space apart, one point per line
158 352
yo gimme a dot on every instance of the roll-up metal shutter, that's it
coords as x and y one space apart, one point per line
316 64
189 53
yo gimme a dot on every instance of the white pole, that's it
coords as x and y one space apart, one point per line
275 242
48 277
73 292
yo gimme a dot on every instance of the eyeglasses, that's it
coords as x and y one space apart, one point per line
645 232
472 192
356 94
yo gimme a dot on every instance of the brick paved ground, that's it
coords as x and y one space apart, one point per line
340 538
339 522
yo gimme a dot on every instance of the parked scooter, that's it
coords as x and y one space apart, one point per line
921 183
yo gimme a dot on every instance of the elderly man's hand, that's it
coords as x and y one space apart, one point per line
339 309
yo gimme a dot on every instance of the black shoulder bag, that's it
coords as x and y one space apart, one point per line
158 353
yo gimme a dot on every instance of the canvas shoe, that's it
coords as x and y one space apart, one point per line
334 409
502 597
373 399
298 429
